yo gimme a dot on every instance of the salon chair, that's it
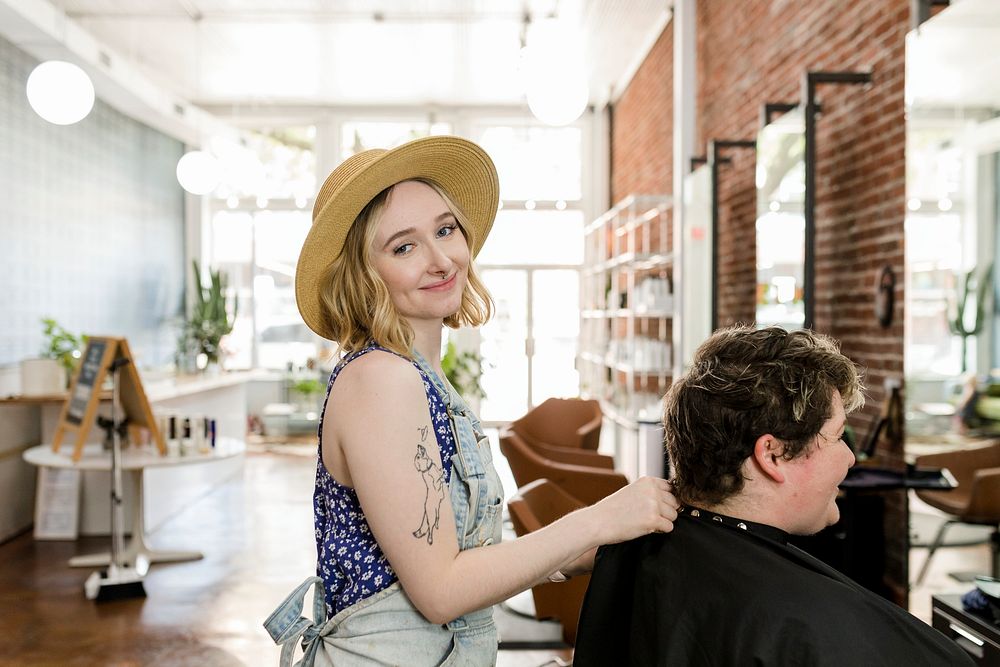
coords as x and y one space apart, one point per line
570 455
578 476
572 423
534 506
976 499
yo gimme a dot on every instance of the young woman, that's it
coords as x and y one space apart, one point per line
407 503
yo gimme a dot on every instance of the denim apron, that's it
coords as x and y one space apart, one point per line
386 629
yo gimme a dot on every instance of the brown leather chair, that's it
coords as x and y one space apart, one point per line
571 455
578 477
533 506
574 423
975 500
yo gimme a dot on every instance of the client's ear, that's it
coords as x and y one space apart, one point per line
767 453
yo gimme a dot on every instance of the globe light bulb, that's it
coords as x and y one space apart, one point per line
198 172
60 92
553 75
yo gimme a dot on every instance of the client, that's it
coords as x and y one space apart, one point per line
754 434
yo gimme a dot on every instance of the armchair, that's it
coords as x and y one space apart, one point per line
975 500
578 477
574 423
533 506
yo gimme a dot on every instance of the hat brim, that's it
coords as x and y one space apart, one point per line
460 167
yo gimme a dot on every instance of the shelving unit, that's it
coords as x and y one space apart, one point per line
627 316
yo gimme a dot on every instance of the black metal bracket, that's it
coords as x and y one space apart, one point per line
715 146
810 80
920 10
768 109
697 161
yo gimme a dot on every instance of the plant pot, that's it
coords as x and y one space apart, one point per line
42 377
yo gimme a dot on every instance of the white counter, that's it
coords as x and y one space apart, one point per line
29 421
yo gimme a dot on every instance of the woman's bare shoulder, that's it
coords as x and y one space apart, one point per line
377 373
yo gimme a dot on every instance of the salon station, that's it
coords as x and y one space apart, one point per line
666 168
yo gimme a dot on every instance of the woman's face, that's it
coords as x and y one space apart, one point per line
421 253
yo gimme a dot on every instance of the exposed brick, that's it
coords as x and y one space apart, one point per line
755 51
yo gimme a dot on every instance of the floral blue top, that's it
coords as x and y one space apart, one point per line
349 560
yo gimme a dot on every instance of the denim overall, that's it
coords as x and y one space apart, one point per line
386 629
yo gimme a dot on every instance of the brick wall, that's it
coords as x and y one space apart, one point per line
642 126
755 51
758 54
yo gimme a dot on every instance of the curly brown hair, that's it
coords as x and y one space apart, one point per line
744 383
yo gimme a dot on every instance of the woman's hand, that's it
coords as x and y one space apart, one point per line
644 506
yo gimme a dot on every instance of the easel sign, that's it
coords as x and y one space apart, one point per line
80 408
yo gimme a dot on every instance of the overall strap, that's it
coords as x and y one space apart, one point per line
442 390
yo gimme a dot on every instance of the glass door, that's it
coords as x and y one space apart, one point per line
529 347
555 331
504 346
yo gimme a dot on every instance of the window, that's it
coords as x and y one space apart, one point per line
357 136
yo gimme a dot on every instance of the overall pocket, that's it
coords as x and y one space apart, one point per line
481 485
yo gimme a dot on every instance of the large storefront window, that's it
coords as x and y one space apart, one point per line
263 213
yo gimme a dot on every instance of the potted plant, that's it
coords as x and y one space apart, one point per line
958 324
210 319
463 371
307 391
50 372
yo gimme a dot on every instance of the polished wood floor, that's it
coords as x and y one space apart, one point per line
256 534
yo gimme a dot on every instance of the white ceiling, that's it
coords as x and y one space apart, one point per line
953 59
219 53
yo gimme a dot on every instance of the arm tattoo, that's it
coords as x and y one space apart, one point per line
433 478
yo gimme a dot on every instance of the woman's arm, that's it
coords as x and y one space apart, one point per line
381 422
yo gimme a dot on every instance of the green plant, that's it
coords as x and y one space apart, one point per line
957 320
61 345
463 371
307 387
210 319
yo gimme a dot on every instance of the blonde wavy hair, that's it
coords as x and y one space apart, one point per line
356 303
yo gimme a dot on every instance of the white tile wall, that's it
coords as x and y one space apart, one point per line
91 225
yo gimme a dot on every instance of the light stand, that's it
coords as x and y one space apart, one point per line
120 580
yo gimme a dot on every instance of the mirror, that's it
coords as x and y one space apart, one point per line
781 221
952 149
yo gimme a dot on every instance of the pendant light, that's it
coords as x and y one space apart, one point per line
555 81
198 172
60 92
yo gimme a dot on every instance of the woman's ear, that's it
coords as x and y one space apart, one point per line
767 452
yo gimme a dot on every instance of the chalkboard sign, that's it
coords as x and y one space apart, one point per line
80 409
93 363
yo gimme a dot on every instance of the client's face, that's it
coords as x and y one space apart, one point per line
816 474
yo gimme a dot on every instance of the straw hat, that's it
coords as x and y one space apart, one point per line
460 167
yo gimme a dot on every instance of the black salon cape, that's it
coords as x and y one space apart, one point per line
713 594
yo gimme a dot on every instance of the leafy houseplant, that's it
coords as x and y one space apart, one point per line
307 389
210 319
463 371
957 320
62 345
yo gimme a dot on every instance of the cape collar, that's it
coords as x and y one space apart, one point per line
760 529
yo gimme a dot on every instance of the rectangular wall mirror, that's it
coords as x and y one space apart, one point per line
781 221
951 351
952 149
